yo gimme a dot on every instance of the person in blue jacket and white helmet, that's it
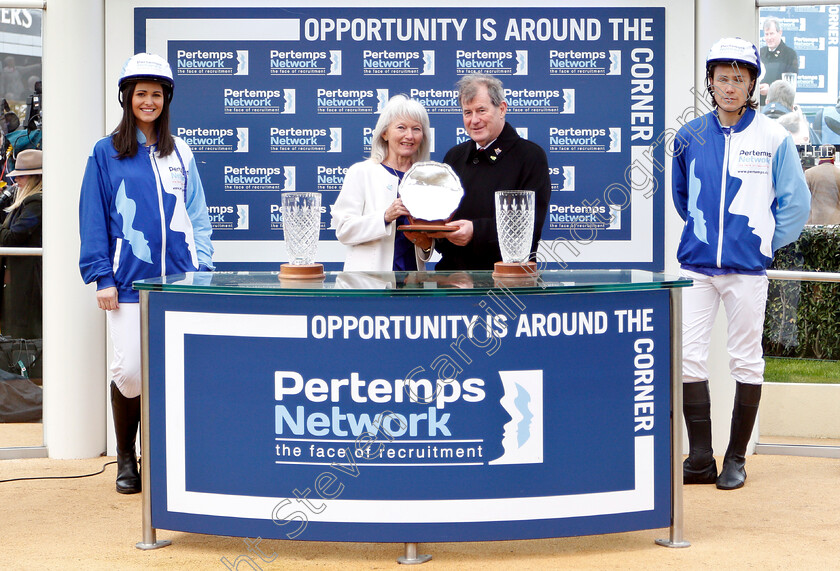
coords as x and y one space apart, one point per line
142 214
739 186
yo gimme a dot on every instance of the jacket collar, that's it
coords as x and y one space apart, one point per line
497 150
744 122
141 138
774 109
778 51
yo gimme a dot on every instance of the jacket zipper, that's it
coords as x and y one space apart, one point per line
722 197
158 185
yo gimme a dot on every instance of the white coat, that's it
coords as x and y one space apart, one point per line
358 218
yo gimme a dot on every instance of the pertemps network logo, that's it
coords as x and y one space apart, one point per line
298 140
581 216
584 140
386 62
553 101
293 62
573 62
512 62
229 217
523 401
203 140
357 101
437 100
258 101
247 178
204 62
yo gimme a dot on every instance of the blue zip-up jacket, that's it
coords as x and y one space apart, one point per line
141 217
740 190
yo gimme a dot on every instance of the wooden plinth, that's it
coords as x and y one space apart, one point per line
515 270
429 227
302 272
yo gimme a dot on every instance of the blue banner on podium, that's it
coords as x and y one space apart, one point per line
410 419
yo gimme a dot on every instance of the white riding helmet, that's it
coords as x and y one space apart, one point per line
147 66
727 50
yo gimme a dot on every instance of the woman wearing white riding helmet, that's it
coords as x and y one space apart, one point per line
142 214
738 184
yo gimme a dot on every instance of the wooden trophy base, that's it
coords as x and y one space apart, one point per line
515 270
425 227
522 281
302 272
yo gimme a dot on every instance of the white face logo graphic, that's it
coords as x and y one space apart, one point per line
523 401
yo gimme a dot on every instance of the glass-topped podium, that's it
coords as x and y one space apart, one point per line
411 283
412 406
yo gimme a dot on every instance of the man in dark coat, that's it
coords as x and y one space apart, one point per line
496 158
776 57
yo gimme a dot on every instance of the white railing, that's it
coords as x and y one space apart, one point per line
21 251
26 4
803 276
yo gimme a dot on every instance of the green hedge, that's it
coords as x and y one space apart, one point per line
803 318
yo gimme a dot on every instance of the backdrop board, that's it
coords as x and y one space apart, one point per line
397 408
814 33
282 99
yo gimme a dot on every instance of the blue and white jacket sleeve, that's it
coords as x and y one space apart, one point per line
95 260
197 211
793 199
679 178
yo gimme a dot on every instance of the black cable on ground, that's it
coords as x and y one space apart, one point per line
61 477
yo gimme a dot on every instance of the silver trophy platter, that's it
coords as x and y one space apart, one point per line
431 192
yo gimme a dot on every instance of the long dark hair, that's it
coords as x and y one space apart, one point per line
124 136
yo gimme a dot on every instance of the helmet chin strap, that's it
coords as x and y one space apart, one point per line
746 101
742 107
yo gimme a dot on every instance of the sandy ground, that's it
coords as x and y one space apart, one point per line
15 435
786 517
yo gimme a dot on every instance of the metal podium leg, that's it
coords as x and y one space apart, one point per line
149 540
676 537
411 557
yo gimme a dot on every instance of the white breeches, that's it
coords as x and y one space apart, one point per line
744 299
124 325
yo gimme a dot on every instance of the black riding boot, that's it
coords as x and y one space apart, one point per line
126 419
732 474
699 467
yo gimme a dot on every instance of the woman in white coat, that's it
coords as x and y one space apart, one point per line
367 212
